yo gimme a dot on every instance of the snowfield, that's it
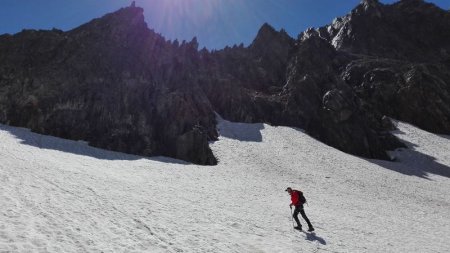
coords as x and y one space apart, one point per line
64 196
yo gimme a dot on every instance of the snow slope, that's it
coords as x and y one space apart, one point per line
64 196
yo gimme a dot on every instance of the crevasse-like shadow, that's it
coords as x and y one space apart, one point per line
444 136
413 163
25 136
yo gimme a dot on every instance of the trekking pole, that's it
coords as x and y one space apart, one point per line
292 219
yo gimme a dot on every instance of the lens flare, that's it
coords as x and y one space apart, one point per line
210 20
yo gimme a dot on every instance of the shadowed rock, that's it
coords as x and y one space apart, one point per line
118 85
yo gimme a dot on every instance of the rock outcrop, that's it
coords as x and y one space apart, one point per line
112 82
402 64
119 85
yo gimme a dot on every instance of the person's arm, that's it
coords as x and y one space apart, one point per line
294 198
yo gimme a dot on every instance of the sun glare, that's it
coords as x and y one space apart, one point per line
212 21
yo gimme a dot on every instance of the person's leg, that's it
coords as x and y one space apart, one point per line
295 215
302 212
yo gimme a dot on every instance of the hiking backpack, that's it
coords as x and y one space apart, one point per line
301 197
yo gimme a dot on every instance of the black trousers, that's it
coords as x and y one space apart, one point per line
299 209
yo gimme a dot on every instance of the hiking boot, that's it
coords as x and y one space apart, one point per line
310 229
298 228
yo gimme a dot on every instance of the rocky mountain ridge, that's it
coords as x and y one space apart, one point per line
119 85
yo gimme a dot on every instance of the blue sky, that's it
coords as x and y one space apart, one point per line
216 23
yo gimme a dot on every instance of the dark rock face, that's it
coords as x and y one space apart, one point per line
402 64
240 81
110 82
409 30
413 92
327 107
120 86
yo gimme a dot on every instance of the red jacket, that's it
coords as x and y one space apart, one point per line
295 197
